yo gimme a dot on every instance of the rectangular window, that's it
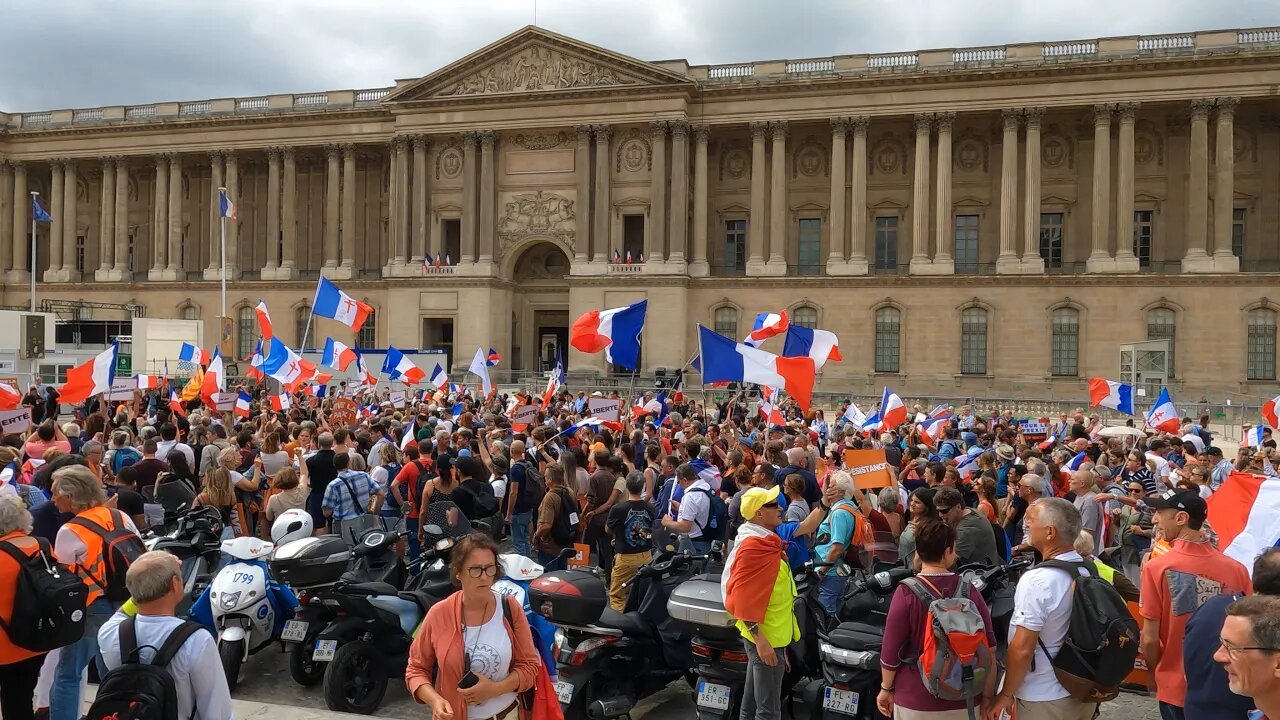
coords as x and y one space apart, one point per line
451 237
735 245
966 236
632 237
973 342
887 243
888 339
80 253
808 254
1237 232
1066 343
1051 239
368 335
1261 351
132 244
437 334
1142 231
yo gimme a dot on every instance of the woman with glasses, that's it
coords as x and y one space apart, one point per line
471 658
1131 523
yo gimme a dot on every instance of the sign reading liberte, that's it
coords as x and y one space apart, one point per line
605 408
15 421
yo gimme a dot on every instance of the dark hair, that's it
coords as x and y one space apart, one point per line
128 476
933 538
341 461
948 496
1264 613
178 464
555 474
938 470
1266 572
635 482
925 496
463 550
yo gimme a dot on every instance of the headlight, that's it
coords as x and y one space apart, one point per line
229 600
864 659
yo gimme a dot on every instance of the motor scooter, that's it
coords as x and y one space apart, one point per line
196 541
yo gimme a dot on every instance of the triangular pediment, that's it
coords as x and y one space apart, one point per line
534 60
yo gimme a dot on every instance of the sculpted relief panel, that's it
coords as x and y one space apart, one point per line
537 68
537 213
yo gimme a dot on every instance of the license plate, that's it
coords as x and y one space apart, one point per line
564 692
713 696
294 631
841 701
325 650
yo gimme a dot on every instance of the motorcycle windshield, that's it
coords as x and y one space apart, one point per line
450 519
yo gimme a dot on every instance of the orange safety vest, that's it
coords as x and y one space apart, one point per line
94 565
10 653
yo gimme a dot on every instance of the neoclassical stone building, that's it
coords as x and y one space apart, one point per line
976 219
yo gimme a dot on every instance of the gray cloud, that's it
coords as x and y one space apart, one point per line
83 53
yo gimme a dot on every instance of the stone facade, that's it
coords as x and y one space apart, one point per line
984 202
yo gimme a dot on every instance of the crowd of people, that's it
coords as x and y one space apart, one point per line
1131 510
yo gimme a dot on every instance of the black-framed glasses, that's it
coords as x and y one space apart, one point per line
1135 491
770 505
482 570
945 510
1233 649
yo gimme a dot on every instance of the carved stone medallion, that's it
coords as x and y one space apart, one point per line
635 153
537 213
1053 151
1144 149
809 160
888 155
970 154
449 162
537 68
735 161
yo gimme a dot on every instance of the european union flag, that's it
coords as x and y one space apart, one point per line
38 212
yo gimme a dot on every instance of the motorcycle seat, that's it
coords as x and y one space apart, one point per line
628 623
373 588
856 636
422 599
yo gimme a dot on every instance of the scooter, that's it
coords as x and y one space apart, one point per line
196 541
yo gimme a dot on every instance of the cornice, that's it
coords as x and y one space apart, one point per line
320 117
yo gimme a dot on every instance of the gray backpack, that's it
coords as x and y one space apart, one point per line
955 659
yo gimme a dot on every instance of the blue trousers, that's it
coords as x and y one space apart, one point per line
64 694
829 592
521 532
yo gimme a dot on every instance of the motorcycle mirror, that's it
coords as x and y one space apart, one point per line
444 544
568 553
717 547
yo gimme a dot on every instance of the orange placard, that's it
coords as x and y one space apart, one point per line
869 468
343 412
582 556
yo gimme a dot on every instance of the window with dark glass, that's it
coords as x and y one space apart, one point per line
1142 234
887 243
1066 342
1237 232
888 339
1161 326
1262 344
973 341
368 335
301 318
1051 239
632 237
805 317
80 260
451 237
726 322
808 257
735 245
966 239
246 332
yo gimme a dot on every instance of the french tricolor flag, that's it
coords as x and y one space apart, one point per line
966 466
398 366
1271 411
408 435
768 411
931 430
332 303
10 398
594 424
821 345
145 382
281 402
91 378
893 412
226 208
615 331
316 391
873 424
1048 442
439 377
1074 463
1164 416
1252 437
1243 513
193 354
337 355
264 319
243 401
1111 394
726 360
175 402
553 384
766 326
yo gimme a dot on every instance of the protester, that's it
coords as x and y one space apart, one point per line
1249 648
975 538
556 529
19 667
629 524
695 508
838 538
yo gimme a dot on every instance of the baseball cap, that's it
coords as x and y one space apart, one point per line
755 498
1188 501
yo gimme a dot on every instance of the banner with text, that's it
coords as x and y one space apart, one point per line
869 468
15 421
605 408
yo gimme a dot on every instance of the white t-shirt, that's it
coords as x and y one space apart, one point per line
1162 467
1042 602
164 447
696 506
499 485
489 647
196 669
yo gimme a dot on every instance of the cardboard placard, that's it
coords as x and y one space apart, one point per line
122 389
224 401
869 468
605 408
343 411
11 381
524 414
582 556
15 421
1035 430
397 398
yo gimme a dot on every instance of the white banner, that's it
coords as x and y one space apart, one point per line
397 398
524 414
605 408
225 402
15 421
123 389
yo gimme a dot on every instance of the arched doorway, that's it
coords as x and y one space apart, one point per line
539 306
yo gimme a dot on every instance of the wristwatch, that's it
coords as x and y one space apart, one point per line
754 629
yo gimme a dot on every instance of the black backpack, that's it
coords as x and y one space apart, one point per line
717 517
1101 644
138 691
564 529
49 601
120 547
534 488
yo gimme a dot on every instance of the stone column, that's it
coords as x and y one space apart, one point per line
942 262
679 235
488 198
233 224
1224 189
920 199
858 264
1101 259
289 215
837 250
1008 261
1032 263
779 212
1125 261
70 214
107 222
332 208
582 195
756 224
1197 258
601 243
698 266
217 179
273 215
6 218
21 224
160 221
655 238
53 206
421 196
397 204
122 270
469 197
347 224
176 269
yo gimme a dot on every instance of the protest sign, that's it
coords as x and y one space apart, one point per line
225 401
581 557
343 412
869 468
397 398
523 415
1035 430
122 389
15 421
605 408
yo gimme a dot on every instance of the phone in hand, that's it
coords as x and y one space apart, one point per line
469 680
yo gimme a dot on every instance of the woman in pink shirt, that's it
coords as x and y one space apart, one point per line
48 435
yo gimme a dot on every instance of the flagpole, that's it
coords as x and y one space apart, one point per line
222 193
312 314
34 200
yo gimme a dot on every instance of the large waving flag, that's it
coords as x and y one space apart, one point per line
1271 411
893 412
1111 394
657 407
1164 416
145 382
214 379
1245 513
931 430
264 319
855 415
287 366
337 355
873 424
1076 462
493 358
398 366
766 325
193 354
554 382
91 378
480 368
726 360
615 331
244 402
332 303
38 212
966 465
1253 437
439 377
9 397
821 345
281 402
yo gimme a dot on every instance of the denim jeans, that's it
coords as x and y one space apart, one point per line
521 531
1171 712
762 694
829 592
64 696
415 547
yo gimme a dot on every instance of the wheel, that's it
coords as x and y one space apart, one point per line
356 679
232 654
305 671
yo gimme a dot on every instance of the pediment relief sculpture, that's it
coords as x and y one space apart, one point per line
537 68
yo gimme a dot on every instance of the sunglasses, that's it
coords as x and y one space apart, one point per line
770 505
1134 491
477 570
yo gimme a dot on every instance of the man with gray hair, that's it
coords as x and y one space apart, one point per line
155 583
796 461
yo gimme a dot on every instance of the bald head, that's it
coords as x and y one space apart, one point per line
517 448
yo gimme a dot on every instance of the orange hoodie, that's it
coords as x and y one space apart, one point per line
755 568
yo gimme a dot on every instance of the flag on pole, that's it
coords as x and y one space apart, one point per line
726 360
264 319
193 354
92 378
408 435
316 391
281 402
615 331
10 398
175 402
255 364
480 368
38 212
243 402
145 382
226 208
931 430
766 325
821 345
287 366
1111 394
214 381
427 261
494 358
1252 437
337 355
439 377
332 303
1164 416
893 412
1271 411
398 366
554 382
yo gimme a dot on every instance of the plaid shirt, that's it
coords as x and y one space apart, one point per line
337 497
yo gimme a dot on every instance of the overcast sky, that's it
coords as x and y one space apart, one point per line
83 53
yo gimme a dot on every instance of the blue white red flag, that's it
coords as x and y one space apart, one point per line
398 366
193 354
615 331
1111 394
226 208
726 360
337 355
332 303
766 325
1076 462
893 412
243 402
821 345
1163 416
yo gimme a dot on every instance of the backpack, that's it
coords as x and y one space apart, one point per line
139 691
564 527
1101 644
955 659
120 547
534 488
717 526
856 550
123 458
49 601
418 486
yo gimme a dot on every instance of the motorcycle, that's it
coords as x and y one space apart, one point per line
997 585
196 541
